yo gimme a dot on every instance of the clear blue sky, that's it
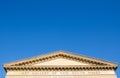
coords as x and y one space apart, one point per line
33 27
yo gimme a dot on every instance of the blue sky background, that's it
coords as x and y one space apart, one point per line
33 27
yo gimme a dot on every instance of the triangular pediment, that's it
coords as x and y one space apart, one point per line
60 59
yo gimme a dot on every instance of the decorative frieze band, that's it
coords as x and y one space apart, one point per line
61 73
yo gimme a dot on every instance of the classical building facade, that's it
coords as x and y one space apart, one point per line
61 65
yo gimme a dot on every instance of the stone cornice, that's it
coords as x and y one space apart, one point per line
65 55
59 68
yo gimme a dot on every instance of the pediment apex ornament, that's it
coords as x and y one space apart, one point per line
40 62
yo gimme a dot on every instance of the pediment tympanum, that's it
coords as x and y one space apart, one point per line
59 62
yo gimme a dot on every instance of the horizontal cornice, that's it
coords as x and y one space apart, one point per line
60 68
